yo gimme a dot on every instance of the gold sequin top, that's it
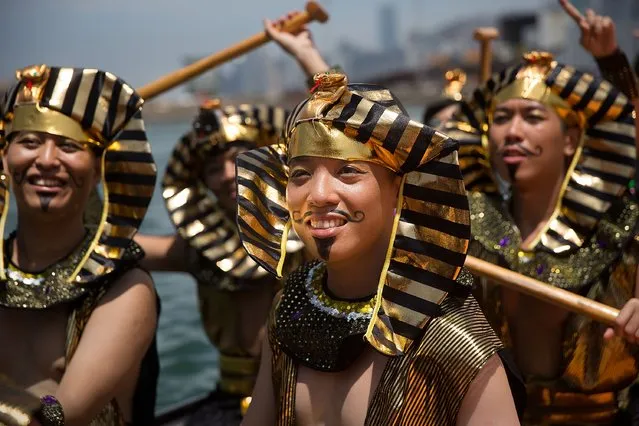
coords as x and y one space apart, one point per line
425 386
603 269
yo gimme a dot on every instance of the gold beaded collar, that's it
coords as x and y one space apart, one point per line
349 309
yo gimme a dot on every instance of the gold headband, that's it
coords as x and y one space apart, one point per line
314 138
530 84
238 132
35 118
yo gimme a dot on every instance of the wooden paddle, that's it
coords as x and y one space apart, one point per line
559 297
485 36
312 12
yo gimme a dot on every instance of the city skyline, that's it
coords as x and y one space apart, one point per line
143 40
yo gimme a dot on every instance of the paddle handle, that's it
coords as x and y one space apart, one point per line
559 297
485 36
312 12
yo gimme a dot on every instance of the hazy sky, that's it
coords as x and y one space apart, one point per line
140 40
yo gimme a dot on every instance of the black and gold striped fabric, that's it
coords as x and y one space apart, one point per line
192 207
432 224
604 163
108 113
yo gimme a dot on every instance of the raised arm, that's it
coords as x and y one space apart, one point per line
300 46
599 38
489 400
164 252
107 360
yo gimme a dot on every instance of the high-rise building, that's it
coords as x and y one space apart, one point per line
388 27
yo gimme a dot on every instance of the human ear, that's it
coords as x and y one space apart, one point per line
572 136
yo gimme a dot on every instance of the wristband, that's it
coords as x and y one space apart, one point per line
51 413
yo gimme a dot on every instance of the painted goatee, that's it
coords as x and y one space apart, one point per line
324 246
512 168
45 200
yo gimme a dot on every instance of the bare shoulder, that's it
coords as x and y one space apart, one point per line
135 285
489 399
130 306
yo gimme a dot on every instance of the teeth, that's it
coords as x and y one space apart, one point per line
46 182
326 224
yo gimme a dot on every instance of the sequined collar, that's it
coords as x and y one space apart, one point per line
49 287
495 231
316 329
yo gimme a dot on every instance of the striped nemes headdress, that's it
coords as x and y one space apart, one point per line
98 109
192 208
216 127
432 224
604 162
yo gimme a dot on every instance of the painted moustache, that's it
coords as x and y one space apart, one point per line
357 216
521 149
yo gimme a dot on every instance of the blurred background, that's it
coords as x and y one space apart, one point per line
404 44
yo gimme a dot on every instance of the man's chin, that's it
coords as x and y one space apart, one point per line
50 211
51 205
524 177
334 255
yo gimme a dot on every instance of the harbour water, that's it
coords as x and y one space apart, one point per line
188 361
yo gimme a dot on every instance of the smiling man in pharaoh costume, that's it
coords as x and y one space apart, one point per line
547 153
378 329
78 315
